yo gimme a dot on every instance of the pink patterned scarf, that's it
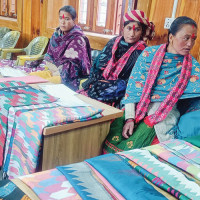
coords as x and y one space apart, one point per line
171 99
113 68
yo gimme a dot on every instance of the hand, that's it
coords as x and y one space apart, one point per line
128 128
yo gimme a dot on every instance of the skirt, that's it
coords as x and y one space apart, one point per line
142 136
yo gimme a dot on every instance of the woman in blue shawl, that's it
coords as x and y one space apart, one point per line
162 75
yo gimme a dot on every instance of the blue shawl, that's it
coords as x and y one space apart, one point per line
167 77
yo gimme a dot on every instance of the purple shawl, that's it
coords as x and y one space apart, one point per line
72 54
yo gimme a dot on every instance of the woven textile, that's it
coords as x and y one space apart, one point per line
171 176
15 95
8 191
51 184
26 134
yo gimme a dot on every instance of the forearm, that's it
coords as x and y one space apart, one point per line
130 111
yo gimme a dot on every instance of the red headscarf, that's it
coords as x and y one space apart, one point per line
139 16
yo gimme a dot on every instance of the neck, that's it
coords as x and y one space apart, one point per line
170 49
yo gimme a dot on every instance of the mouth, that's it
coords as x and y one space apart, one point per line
186 49
132 39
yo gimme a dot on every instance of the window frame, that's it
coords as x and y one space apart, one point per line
14 23
91 19
7 12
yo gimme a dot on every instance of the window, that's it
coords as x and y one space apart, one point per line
100 16
101 13
8 8
82 15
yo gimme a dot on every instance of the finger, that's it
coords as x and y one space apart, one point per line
124 133
131 129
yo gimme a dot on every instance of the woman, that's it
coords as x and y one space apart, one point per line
111 70
162 75
68 54
69 49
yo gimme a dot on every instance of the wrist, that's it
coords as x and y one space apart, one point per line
129 120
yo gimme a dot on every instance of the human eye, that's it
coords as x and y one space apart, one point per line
194 38
137 29
186 38
129 28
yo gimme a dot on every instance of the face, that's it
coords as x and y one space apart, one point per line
183 41
66 23
132 32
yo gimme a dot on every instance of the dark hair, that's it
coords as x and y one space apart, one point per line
178 23
70 10
144 27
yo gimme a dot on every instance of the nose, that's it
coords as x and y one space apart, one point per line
62 21
132 32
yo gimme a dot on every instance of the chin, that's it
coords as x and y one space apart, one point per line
131 42
184 53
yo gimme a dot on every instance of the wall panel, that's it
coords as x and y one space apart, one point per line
191 8
158 10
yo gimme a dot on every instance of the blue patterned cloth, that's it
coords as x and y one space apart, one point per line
125 179
167 77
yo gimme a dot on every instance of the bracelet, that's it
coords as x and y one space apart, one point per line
129 120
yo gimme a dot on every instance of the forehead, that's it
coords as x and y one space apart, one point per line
66 14
187 29
133 24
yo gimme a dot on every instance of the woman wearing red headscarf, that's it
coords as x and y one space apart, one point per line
111 69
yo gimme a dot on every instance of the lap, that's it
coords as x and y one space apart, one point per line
142 136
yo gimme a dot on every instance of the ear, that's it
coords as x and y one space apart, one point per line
122 31
171 37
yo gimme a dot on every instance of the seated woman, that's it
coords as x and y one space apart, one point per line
69 49
68 52
111 69
162 75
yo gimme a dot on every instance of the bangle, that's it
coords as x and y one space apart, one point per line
129 120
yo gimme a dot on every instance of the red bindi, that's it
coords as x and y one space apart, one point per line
193 26
63 16
193 36
133 27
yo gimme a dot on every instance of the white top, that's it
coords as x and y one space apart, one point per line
162 127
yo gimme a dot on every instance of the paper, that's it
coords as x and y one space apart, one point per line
67 97
11 72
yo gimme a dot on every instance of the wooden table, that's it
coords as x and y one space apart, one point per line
75 142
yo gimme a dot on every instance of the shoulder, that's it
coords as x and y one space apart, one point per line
195 62
152 49
79 40
148 53
112 41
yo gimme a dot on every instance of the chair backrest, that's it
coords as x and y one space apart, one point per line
37 46
3 31
10 39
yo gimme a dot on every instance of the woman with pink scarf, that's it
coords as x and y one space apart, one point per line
162 76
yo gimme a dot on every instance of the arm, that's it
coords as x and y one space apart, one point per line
129 117
49 55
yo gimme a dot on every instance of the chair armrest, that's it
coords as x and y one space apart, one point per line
31 57
21 59
11 50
